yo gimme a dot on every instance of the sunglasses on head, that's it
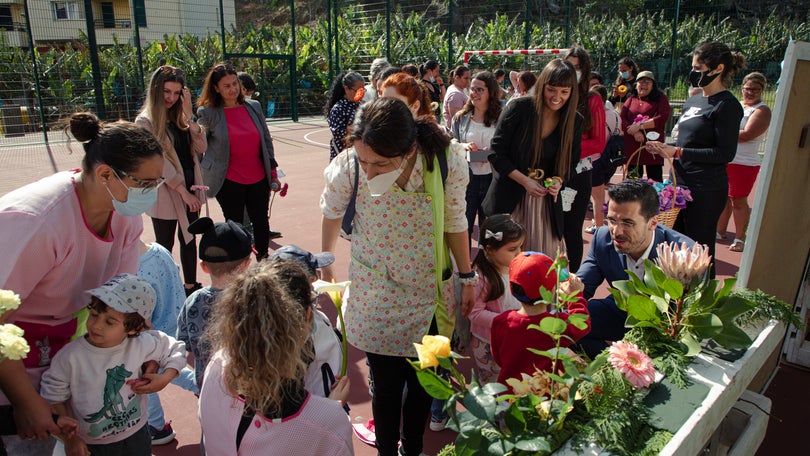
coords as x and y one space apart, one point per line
225 67
171 71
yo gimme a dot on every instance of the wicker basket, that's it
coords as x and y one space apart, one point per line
669 216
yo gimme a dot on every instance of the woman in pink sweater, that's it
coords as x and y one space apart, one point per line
62 235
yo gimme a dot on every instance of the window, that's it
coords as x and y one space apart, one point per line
67 11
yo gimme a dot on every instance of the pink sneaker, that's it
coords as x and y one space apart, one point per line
365 432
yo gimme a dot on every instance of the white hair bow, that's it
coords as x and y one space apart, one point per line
489 234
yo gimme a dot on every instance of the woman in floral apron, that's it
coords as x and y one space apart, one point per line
407 222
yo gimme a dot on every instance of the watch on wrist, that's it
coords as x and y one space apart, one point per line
468 278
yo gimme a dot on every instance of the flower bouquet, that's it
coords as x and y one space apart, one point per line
12 344
677 305
601 401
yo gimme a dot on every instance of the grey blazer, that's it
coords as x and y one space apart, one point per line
214 163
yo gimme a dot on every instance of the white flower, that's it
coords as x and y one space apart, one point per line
12 344
682 263
8 300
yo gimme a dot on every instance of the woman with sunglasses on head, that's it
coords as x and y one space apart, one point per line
535 149
167 113
345 96
708 131
65 234
239 166
473 126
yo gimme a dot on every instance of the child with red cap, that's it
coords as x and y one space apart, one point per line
529 273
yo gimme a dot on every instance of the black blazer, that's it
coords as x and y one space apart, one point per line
512 150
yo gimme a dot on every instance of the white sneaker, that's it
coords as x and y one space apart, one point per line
437 425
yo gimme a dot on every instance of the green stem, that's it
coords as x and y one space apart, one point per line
676 322
344 363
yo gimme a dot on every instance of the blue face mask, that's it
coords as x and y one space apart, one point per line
625 74
137 201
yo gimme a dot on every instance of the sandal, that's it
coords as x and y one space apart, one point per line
591 229
737 245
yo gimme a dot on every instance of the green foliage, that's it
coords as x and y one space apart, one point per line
766 307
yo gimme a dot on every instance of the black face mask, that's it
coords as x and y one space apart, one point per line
701 78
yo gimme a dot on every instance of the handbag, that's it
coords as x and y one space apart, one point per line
614 148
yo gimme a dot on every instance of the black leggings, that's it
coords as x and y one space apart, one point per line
164 235
391 374
699 219
234 198
575 218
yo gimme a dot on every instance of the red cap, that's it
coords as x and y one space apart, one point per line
532 271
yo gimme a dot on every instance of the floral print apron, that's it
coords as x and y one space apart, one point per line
397 239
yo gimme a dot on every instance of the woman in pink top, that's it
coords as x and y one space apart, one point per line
239 166
65 234
168 114
253 399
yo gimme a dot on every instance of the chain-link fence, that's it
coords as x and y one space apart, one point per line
61 56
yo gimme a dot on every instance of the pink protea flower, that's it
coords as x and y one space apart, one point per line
636 365
681 263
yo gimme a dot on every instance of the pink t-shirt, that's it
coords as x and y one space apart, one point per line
320 427
51 257
245 162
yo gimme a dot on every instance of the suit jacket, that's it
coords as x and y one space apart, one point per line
214 163
603 262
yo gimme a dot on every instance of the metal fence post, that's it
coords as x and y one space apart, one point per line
94 63
527 28
337 36
674 41
33 51
450 61
329 39
137 38
293 65
222 29
568 25
388 30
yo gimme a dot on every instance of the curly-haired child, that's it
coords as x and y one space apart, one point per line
253 399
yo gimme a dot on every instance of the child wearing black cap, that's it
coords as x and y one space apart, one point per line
225 250
529 273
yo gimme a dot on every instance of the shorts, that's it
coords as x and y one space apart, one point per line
741 179
603 171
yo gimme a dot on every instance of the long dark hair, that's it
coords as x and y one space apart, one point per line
209 95
557 73
510 231
338 89
387 126
494 103
713 54
583 84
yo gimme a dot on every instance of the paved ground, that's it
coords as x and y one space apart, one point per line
302 151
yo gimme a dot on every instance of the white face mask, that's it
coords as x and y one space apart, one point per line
381 183
579 75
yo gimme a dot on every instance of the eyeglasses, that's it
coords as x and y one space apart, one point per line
146 185
478 90
752 89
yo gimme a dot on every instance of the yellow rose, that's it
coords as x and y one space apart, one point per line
432 348
8 300
12 344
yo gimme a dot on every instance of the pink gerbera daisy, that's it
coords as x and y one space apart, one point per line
636 365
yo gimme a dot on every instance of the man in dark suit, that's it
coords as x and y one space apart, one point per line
631 237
